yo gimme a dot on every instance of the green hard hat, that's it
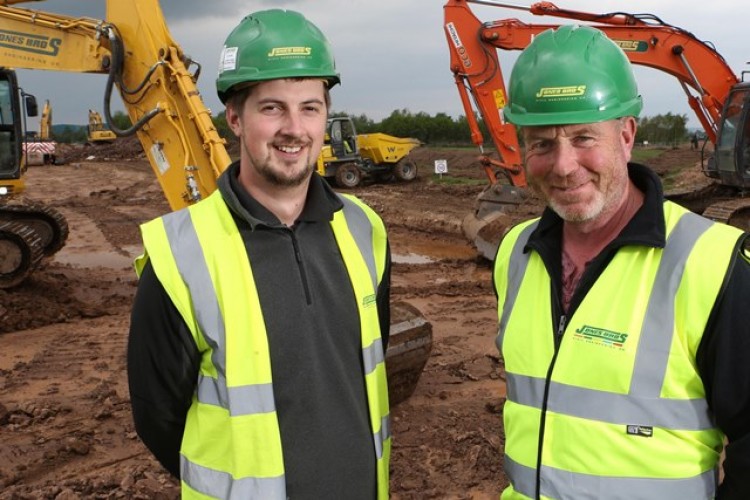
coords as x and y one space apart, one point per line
571 75
272 44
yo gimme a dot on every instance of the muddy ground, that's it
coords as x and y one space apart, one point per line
65 423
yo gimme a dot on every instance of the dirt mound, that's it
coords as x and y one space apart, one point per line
121 149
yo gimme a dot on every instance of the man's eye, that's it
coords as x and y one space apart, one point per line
538 146
312 109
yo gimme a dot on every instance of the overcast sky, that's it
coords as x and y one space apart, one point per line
392 54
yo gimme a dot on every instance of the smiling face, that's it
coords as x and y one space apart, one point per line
581 170
281 127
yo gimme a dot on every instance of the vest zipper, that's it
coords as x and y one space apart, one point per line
301 268
560 331
543 418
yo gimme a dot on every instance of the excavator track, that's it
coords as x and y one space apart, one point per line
21 251
49 224
735 212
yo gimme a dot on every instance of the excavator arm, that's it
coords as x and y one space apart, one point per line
701 71
134 48
45 123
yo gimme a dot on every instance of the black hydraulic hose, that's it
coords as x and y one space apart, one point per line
115 71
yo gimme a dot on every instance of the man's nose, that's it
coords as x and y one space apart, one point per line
292 124
565 159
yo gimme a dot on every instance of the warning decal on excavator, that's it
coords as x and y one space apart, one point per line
499 96
159 158
453 33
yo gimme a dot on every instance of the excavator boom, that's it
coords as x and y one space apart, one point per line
45 123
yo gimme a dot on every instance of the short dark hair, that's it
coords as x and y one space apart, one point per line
239 93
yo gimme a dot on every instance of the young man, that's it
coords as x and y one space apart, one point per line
256 350
623 317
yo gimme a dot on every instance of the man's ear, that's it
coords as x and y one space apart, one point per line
233 121
629 127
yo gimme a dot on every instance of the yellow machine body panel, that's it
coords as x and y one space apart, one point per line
384 148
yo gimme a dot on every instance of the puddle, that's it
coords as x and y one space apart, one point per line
426 252
410 258
103 258
95 259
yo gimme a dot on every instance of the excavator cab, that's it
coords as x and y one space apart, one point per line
98 133
11 132
343 137
731 160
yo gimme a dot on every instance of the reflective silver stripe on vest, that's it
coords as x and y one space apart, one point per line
381 436
219 484
372 356
242 400
690 415
516 270
191 263
247 399
587 486
658 327
361 228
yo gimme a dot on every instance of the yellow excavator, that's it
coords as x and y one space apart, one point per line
98 133
142 61
42 148
28 230
45 122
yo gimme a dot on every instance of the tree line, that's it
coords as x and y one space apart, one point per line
443 130
437 130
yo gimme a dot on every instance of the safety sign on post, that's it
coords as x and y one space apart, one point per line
441 167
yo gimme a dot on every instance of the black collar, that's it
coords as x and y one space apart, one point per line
320 204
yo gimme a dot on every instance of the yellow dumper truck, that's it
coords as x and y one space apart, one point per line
347 157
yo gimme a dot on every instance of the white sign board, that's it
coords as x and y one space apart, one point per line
441 166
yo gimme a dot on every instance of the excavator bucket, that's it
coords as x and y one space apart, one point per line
409 349
498 207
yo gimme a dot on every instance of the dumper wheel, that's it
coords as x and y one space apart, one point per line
405 170
348 175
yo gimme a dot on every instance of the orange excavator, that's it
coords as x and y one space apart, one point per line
719 98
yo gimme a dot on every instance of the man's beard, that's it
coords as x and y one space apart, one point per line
265 170
273 178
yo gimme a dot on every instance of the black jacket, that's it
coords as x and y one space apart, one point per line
313 329
723 357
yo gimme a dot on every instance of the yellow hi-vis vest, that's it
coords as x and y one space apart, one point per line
618 411
231 447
